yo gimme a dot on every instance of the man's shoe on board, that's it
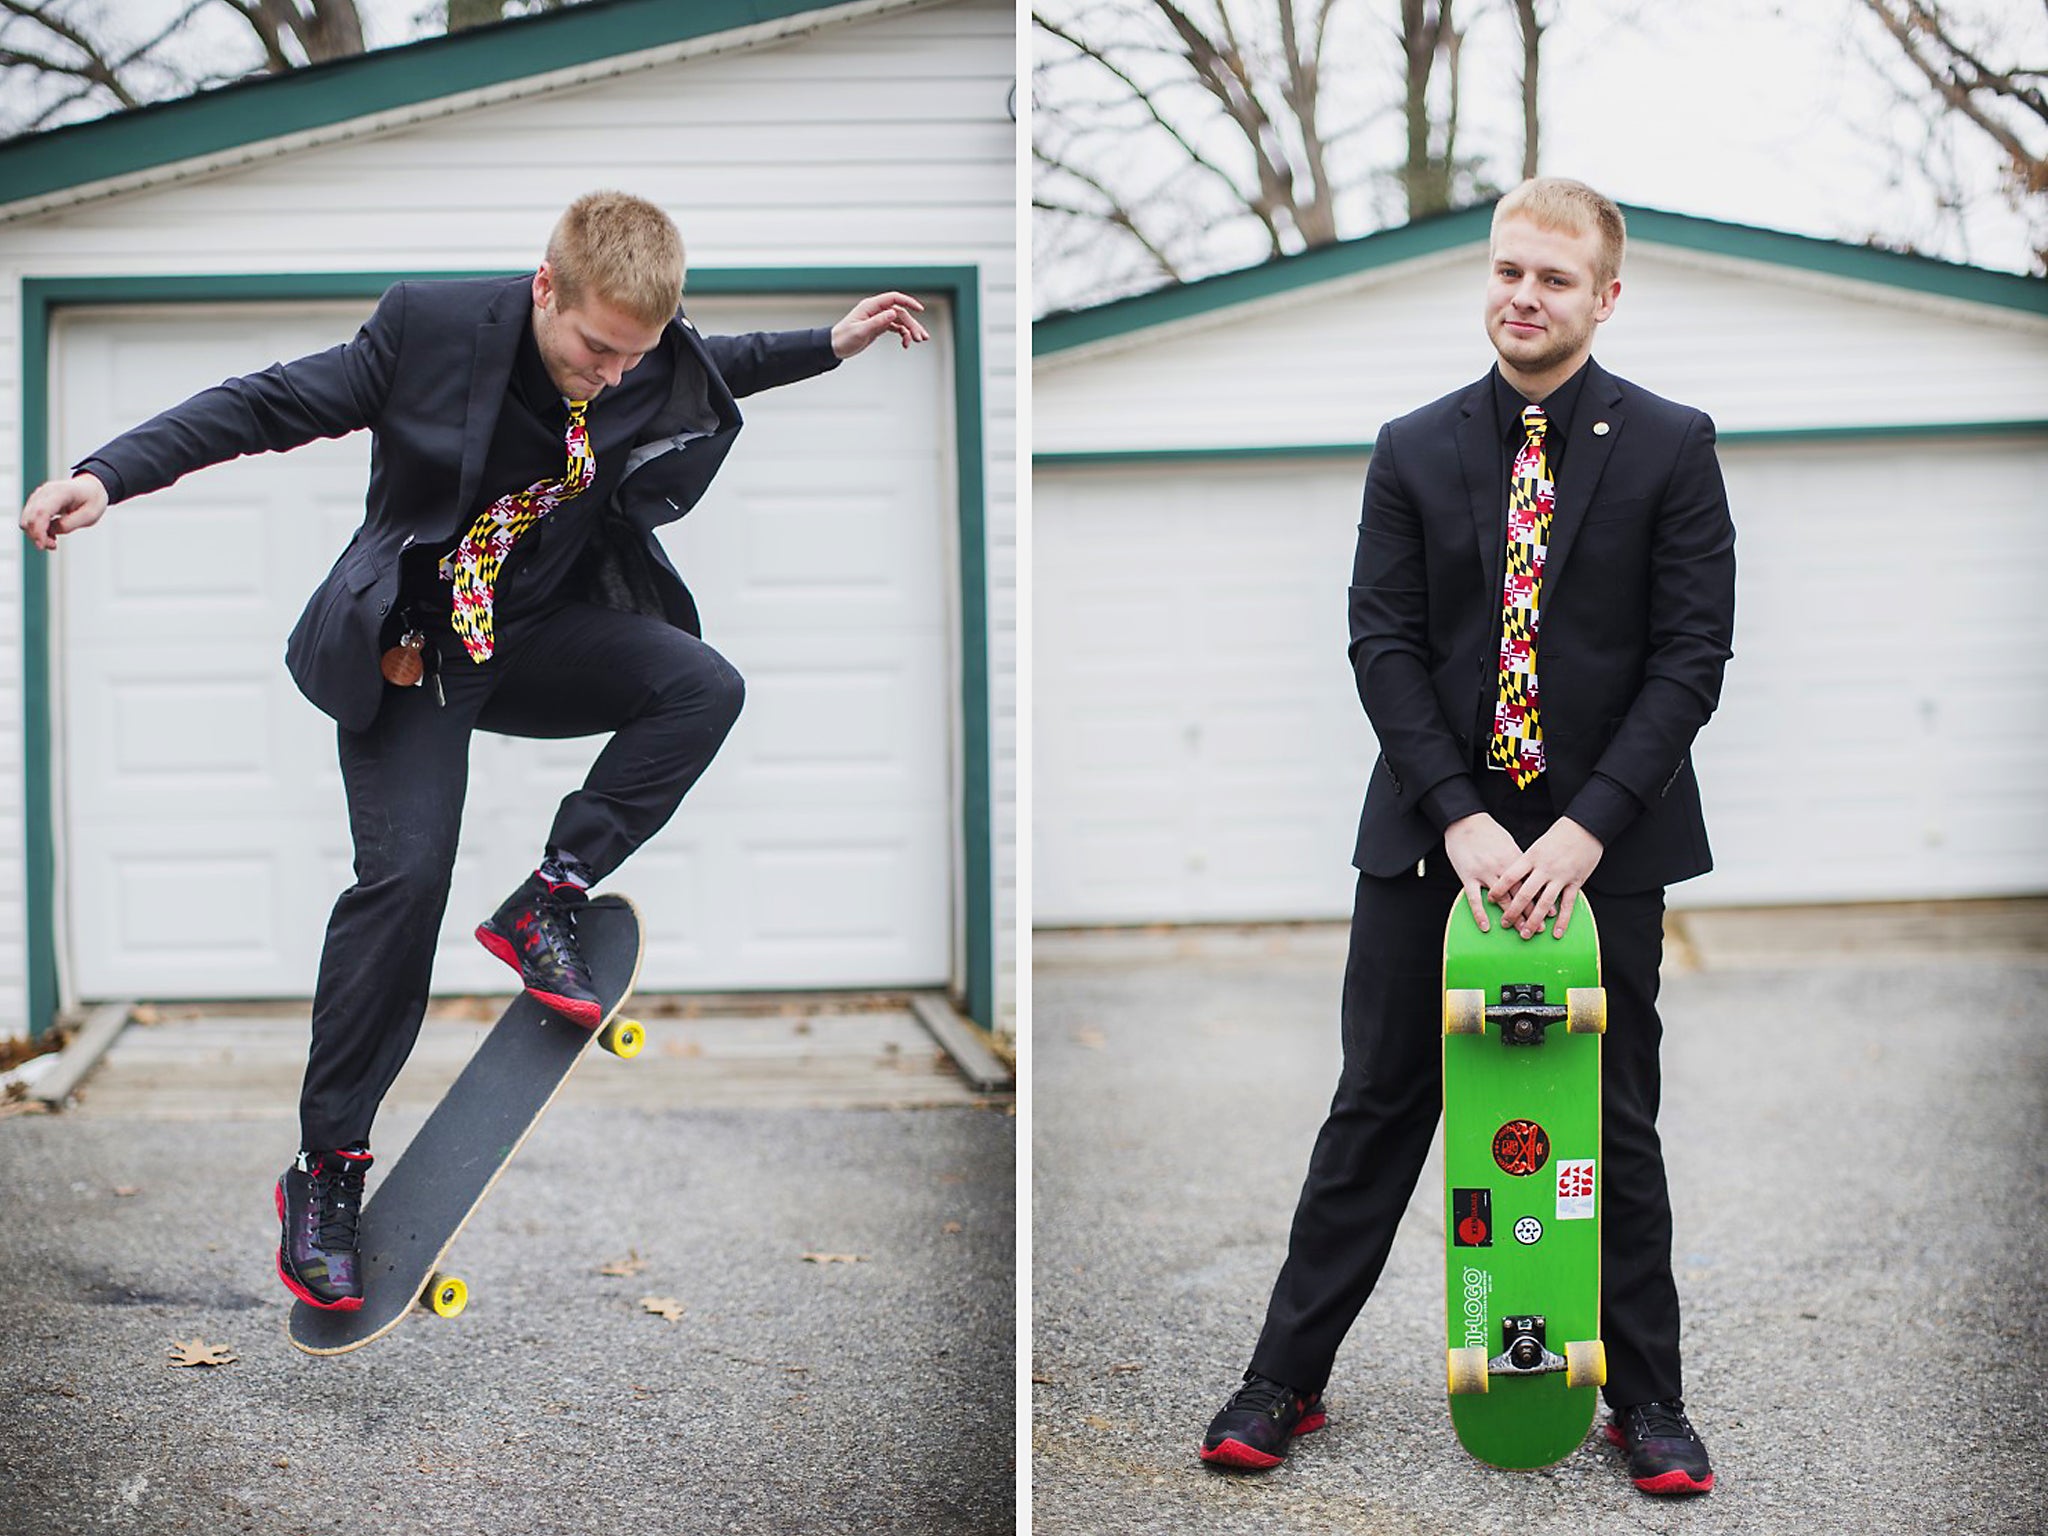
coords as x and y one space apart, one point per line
320 1203
1254 1428
1665 1453
534 932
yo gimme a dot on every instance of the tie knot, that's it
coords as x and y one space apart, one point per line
1534 422
578 407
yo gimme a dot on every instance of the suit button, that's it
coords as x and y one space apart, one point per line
383 607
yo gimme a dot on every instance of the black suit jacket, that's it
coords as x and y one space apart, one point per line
427 375
1638 612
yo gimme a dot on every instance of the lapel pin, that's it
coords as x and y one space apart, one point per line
1599 429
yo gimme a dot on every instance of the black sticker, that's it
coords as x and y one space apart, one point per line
1521 1147
1472 1218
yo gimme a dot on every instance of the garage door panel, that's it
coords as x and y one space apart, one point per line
823 566
1880 735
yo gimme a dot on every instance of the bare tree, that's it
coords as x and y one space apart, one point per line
1530 26
64 61
1947 51
1176 137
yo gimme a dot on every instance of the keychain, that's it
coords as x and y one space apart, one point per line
401 664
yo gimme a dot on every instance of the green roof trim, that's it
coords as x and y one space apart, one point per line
322 95
1065 331
1117 458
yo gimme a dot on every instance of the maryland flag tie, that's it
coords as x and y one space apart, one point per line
473 565
1517 743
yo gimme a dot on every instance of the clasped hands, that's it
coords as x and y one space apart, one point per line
1529 885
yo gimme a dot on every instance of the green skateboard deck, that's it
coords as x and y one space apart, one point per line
1522 1026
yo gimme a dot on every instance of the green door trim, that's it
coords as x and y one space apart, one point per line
959 286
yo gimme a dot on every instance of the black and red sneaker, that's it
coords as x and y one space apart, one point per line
1665 1453
534 932
320 1205
1255 1427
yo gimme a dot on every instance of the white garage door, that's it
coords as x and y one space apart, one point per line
1201 752
1199 749
204 834
1884 723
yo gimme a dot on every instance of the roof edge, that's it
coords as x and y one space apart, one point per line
35 165
1068 329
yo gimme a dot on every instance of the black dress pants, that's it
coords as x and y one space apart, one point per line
668 701
1390 1096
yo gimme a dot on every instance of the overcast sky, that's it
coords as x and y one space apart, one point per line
1768 112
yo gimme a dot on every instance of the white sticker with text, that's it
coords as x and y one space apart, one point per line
1575 1189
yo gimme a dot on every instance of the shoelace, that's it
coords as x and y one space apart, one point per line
338 1199
553 928
1260 1395
1660 1421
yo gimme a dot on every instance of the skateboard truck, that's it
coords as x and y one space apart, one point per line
1522 1015
1523 1352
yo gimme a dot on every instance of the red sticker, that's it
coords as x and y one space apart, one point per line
1521 1147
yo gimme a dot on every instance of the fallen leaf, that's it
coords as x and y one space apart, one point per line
126 1191
952 1226
664 1306
1096 1421
199 1352
835 1258
1093 1039
631 1264
1041 1379
1125 1368
144 1013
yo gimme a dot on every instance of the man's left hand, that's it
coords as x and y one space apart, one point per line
1545 880
873 317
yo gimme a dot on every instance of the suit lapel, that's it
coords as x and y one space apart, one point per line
490 371
1480 460
1599 404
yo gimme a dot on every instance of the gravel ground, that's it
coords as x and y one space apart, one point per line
789 1395
1858 1156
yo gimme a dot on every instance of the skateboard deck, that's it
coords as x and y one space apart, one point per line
417 1209
1522 1027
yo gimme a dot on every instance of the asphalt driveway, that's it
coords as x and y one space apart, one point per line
1856 1123
786 1395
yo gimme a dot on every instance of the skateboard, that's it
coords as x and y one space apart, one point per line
1522 1025
417 1210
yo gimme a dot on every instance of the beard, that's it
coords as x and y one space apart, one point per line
1539 353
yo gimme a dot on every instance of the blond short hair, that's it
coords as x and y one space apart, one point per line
622 250
1556 202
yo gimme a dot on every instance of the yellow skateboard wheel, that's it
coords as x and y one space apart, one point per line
623 1038
1467 1370
447 1295
1585 1010
1464 1011
1585 1363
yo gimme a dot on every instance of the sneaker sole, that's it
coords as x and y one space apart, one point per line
1244 1458
578 1011
343 1304
1676 1481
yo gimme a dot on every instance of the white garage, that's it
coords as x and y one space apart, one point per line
1200 753
184 825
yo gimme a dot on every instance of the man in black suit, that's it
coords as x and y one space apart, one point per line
1542 605
528 436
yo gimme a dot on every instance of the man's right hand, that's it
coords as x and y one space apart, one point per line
1480 850
62 506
